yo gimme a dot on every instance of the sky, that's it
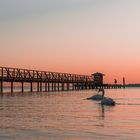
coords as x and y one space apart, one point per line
72 36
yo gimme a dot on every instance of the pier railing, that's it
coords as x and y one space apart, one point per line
18 75
49 81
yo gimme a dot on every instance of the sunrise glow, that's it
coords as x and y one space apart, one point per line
73 36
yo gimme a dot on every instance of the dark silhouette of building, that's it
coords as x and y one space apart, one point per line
98 79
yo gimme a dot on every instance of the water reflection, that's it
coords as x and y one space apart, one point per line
102 111
67 115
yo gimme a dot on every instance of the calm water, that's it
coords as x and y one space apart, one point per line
68 116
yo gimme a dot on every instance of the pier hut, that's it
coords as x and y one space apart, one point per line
98 79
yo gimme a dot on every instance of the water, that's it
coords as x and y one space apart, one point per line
68 116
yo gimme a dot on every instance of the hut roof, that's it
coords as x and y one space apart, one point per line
98 73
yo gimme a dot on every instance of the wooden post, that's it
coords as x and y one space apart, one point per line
78 86
48 86
1 87
52 87
12 87
22 87
73 88
67 86
1 83
31 87
37 86
58 86
45 86
82 86
62 87
40 86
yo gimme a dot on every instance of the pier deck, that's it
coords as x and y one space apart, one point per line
52 81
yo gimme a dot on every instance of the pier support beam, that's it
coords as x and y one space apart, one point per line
31 87
37 86
62 87
40 86
48 86
45 86
22 87
78 87
12 87
68 87
73 88
82 86
1 87
54 86
58 86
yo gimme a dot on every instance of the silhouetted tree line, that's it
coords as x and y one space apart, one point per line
133 85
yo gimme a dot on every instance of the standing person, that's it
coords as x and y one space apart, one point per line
115 81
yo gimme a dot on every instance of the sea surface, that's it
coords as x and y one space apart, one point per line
69 116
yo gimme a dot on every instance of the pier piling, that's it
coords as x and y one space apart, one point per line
12 87
1 86
22 87
31 87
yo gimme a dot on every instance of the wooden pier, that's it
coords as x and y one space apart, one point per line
47 81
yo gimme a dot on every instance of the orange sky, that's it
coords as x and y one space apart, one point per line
72 36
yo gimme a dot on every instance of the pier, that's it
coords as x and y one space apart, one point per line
49 81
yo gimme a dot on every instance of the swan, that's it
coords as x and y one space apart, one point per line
97 97
105 100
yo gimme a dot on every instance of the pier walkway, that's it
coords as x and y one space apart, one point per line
53 81
46 81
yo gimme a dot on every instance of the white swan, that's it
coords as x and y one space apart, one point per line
96 97
105 100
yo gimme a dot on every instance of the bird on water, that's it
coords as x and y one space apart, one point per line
97 97
104 100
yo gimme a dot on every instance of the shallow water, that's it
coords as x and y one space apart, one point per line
69 116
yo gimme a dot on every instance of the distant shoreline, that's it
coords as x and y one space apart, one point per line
133 85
